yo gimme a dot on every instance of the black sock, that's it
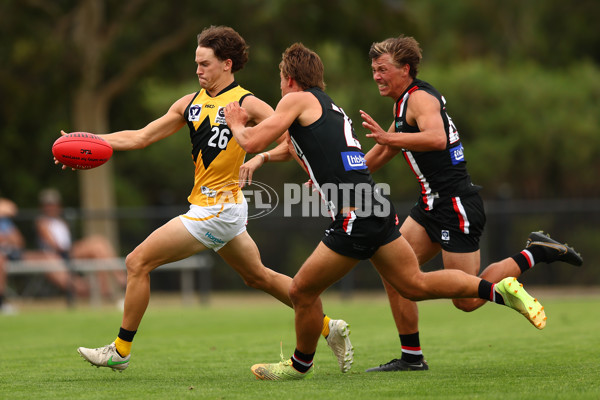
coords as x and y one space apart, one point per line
126 335
538 254
487 292
411 347
523 261
1 299
529 257
302 362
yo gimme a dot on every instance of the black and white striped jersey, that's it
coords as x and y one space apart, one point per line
439 173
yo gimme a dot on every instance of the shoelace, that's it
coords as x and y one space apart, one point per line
284 361
395 360
106 350
281 351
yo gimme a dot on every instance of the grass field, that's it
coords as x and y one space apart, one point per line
206 352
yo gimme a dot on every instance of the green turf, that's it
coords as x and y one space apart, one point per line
206 353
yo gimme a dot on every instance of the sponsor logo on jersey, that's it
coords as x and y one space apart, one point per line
399 125
213 238
195 112
457 154
208 192
220 117
353 160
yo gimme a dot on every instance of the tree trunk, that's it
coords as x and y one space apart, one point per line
96 188
90 113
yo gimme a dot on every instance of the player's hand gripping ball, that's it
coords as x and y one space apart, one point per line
81 150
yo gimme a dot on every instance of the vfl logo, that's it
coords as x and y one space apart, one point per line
457 154
220 117
84 151
445 235
353 160
399 125
195 112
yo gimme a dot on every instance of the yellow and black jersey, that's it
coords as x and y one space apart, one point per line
217 156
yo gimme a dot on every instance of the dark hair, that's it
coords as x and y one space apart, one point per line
403 50
303 65
226 43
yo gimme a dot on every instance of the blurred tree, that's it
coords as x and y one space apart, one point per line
83 37
109 65
87 65
521 78
93 38
552 33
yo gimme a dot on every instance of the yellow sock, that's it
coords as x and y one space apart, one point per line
123 347
325 331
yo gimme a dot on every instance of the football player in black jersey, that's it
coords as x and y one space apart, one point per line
449 214
324 139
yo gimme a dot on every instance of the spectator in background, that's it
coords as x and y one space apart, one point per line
12 248
9 248
54 236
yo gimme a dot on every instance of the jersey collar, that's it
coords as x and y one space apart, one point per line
231 86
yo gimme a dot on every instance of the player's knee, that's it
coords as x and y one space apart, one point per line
135 265
297 295
256 278
411 294
466 305
414 289
131 264
294 293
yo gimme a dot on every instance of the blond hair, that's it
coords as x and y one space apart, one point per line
402 49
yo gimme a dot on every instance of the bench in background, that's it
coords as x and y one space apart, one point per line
86 267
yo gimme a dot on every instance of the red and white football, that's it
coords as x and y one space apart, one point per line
82 150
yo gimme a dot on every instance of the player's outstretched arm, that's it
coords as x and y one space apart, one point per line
156 130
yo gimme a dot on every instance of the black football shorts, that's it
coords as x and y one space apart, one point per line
360 237
455 222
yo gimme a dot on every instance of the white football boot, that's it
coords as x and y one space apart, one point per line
339 342
106 356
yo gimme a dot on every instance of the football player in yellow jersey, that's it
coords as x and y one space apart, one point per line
218 211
